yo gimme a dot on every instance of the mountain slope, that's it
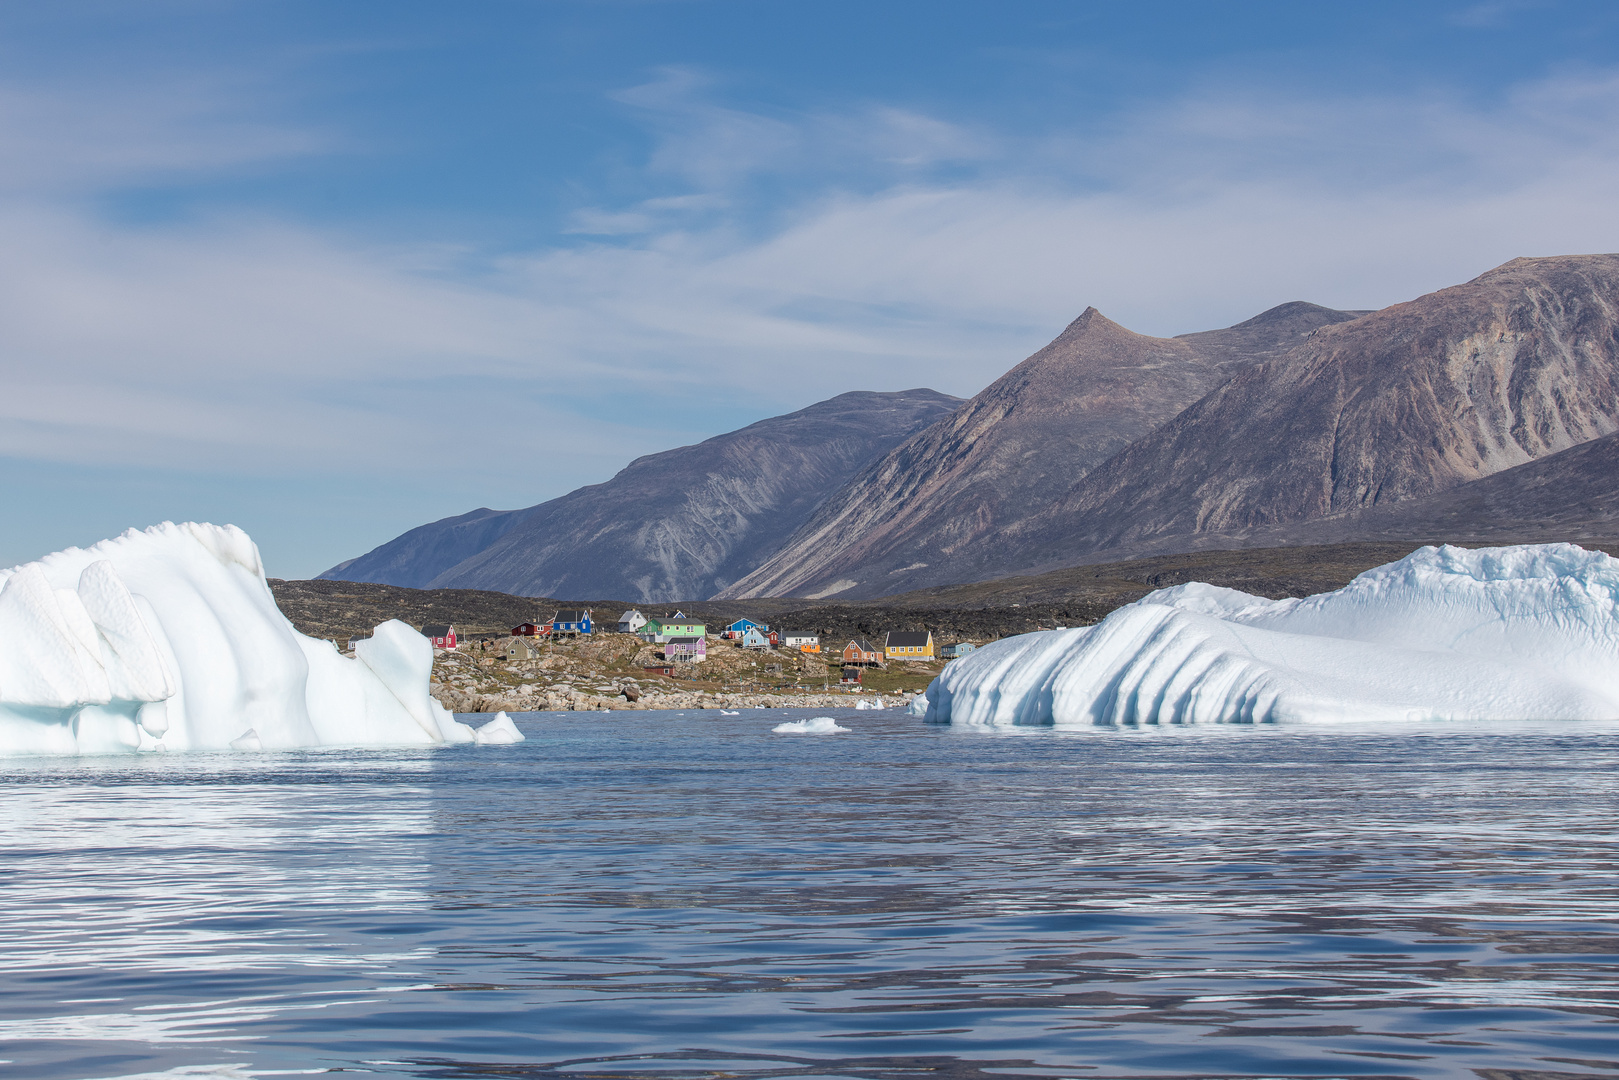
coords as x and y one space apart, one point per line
1570 496
677 525
1421 397
932 510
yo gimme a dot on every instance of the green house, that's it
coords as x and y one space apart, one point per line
661 630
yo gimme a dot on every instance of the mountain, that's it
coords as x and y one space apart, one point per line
1418 398
1570 496
678 525
933 510
1328 422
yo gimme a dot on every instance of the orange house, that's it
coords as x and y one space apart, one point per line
859 651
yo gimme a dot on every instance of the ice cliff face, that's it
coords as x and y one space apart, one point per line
170 639
1528 632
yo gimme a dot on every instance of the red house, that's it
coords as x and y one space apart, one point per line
442 637
529 629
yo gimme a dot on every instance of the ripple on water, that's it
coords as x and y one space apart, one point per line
691 896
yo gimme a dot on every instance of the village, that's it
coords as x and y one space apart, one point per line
572 662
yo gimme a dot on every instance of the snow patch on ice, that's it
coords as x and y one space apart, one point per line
171 634
820 725
1528 632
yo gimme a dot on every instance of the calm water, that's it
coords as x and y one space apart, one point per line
690 896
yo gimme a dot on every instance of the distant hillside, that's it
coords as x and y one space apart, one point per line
937 508
676 525
982 611
1339 430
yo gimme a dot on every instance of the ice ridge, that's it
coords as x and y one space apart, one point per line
1525 632
169 638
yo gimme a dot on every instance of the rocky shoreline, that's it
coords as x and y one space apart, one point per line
464 701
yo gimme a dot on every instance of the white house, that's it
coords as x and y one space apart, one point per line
631 621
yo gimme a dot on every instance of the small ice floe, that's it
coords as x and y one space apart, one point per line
864 704
726 712
498 732
820 725
247 740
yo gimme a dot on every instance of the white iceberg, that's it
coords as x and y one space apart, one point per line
1529 632
820 725
170 639
498 732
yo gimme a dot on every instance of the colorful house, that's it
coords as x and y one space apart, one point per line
519 648
661 630
859 651
960 648
442 637
571 621
530 629
908 645
685 650
753 638
802 640
851 675
631 622
735 631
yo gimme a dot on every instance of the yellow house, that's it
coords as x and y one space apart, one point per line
908 645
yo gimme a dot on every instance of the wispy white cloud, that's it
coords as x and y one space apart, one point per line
910 250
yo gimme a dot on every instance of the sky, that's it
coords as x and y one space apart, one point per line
331 271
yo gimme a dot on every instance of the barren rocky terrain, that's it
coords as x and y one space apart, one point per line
685 522
608 671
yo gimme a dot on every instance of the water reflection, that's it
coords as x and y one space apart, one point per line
671 897
160 901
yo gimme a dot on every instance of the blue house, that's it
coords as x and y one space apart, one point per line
753 638
959 649
742 626
570 621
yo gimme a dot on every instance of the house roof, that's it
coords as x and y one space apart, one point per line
571 615
861 643
437 631
629 613
684 641
908 639
800 633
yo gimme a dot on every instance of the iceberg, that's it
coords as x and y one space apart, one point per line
500 731
1446 633
819 725
169 639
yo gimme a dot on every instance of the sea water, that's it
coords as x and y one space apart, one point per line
689 895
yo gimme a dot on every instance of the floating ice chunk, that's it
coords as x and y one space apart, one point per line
498 732
1526 632
820 725
864 704
172 634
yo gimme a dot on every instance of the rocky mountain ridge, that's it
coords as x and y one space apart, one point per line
933 510
1354 414
670 526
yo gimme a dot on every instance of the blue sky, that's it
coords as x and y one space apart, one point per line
329 271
